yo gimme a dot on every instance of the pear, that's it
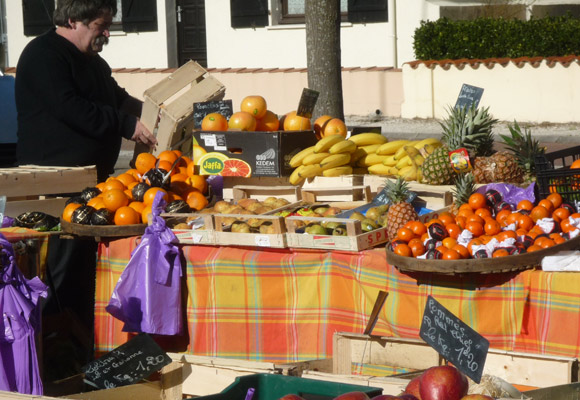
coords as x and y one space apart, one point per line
240 227
368 225
375 212
267 228
340 230
332 211
254 222
221 206
280 203
330 224
316 229
357 215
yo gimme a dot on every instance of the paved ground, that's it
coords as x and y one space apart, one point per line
553 136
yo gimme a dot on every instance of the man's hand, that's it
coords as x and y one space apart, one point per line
142 135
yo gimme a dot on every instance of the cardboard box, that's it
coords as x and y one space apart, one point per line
250 154
168 106
260 188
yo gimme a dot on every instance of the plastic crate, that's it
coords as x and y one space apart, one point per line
553 174
272 387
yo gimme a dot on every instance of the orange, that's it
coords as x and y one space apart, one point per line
449 242
462 250
446 218
405 234
525 205
96 202
126 179
169 156
555 199
126 216
476 200
512 218
114 183
254 105
460 220
334 126
115 199
533 248
198 182
475 228
196 200
129 194
134 173
483 212
268 123
453 230
492 227
165 166
547 204
138 206
501 216
525 222
418 228
475 218
68 210
539 212
506 235
179 177
473 242
242 121
500 253
561 212
100 186
144 162
214 122
145 213
293 122
149 195
404 250
566 226
451 254
319 125
417 247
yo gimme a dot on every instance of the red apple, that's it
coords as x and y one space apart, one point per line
407 396
443 383
413 387
352 396
291 397
477 397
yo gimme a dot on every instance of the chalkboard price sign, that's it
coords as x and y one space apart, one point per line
127 364
307 103
453 339
200 110
468 95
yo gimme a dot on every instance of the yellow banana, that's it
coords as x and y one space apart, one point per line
296 160
370 148
429 149
380 169
338 171
314 158
433 141
346 146
357 155
390 161
326 143
310 171
394 171
335 160
403 162
295 178
364 139
414 155
370 159
408 173
391 147
401 151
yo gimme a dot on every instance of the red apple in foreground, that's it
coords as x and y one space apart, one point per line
477 397
413 387
352 396
291 397
443 383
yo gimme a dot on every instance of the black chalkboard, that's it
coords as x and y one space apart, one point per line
200 110
382 198
453 339
127 364
307 103
469 95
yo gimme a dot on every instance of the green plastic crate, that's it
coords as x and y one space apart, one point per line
272 387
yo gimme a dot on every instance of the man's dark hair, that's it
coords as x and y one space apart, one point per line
82 10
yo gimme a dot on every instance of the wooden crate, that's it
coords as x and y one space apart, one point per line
225 237
202 232
355 240
339 188
39 188
168 106
515 367
259 188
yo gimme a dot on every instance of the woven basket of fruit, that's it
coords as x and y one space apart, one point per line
98 231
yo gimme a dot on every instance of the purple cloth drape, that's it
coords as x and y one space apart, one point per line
19 298
147 297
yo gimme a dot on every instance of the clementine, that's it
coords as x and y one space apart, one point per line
126 216
144 162
115 199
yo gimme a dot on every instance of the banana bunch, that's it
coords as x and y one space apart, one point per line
403 157
334 156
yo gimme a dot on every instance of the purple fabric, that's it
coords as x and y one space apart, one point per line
20 318
7 222
147 297
510 193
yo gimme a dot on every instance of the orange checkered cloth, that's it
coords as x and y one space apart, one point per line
284 305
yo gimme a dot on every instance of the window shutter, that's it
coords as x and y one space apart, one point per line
37 16
365 11
249 13
139 15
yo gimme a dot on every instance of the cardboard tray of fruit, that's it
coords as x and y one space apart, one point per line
250 230
99 231
482 265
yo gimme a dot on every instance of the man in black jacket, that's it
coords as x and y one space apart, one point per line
71 112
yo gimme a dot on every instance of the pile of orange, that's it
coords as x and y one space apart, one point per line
253 116
117 195
477 217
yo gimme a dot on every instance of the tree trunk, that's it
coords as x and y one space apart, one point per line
323 55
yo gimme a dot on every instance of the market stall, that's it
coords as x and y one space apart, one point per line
285 304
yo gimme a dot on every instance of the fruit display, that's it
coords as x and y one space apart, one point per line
483 225
443 382
356 395
127 198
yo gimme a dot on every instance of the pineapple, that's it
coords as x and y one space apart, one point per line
465 127
400 211
524 148
464 187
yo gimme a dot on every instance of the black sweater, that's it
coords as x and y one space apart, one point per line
68 107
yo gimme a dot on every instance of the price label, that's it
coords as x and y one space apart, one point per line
262 241
196 237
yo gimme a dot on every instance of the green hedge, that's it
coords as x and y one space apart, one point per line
497 37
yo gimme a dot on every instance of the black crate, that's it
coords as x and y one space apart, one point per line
554 174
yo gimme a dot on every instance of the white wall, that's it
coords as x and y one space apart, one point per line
132 50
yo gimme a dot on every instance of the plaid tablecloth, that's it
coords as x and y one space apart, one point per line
284 305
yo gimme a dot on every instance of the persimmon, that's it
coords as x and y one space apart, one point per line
476 200
483 212
465 207
500 253
446 218
418 228
115 199
453 230
555 199
561 212
476 228
404 250
474 218
501 216
462 250
547 204
126 216
417 248
492 227
405 234
525 205
539 212
144 162
506 235
450 254
533 248
449 242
